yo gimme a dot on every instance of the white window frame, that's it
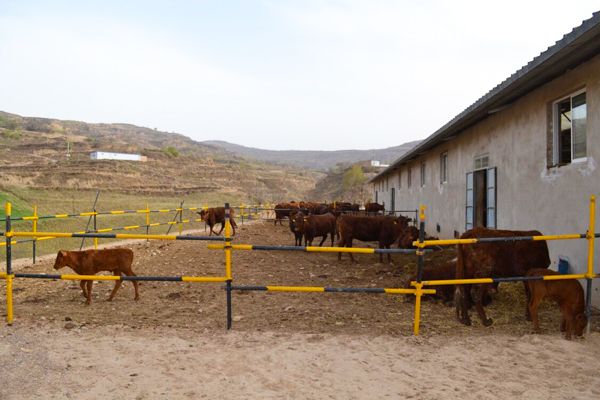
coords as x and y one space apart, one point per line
409 178
556 125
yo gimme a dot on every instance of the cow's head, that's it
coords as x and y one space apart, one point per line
299 220
203 214
62 259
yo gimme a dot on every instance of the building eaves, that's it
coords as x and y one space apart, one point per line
576 47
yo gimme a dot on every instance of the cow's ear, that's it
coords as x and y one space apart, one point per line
305 219
62 253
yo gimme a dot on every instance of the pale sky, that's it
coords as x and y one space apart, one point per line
274 74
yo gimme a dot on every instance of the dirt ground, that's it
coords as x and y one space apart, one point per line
172 343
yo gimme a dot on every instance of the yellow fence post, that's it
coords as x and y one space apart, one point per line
418 294
228 264
9 274
34 243
420 266
147 221
591 234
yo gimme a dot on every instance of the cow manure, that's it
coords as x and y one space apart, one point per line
323 276
68 319
173 296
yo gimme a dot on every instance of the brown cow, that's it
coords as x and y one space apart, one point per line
216 215
494 260
382 229
567 293
283 210
90 262
316 226
438 272
410 235
374 208
298 233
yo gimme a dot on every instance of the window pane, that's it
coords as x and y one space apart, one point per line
469 198
564 135
491 196
579 115
470 216
491 218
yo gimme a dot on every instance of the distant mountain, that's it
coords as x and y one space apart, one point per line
314 159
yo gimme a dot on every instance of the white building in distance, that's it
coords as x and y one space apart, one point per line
107 155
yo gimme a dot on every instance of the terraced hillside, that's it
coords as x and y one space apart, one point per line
53 155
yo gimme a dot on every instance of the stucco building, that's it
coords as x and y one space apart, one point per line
523 156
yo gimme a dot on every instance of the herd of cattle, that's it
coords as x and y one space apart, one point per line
346 222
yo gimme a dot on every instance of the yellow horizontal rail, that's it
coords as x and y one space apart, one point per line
449 242
295 288
474 281
204 279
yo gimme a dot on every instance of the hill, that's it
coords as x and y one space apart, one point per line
320 160
53 155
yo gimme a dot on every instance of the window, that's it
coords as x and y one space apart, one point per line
444 167
387 183
409 177
422 174
482 162
569 133
399 179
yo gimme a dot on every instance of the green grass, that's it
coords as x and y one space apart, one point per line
19 206
76 201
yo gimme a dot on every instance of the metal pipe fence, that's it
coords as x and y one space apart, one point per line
419 287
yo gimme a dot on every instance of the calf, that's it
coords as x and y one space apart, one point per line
438 272
567 293
381 229
296 230
410 235
494 260
316 226
90 262
216 215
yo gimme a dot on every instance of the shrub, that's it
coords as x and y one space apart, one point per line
171 151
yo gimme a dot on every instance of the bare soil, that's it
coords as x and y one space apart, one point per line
291 345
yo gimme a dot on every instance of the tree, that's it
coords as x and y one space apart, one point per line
353 178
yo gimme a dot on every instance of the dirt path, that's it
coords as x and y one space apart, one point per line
173 342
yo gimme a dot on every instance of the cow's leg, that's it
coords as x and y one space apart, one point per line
135 285
233 226
389 255
323 241
528 297
461 302
88 301
569 319
222 227
563 324
82 285
117 286
533 311
479 293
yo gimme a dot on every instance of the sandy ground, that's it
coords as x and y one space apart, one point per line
173 342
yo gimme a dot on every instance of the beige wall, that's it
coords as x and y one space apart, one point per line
529 195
